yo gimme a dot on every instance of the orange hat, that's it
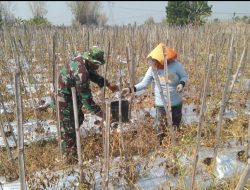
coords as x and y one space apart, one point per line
157 54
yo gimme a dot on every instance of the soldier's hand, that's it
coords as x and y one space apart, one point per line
101 115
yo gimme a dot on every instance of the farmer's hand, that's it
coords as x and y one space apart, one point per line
125 91
113 87
179 88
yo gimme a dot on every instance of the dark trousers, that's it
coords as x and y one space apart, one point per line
161 120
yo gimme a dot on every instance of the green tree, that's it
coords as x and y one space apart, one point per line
39 11
38 21
149 21
187 12
216 20
38 8
246 19
6 13
1 14
87 12
19 20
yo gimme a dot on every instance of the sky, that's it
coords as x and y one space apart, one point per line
125 12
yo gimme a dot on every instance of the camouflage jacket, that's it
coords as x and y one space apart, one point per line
76 74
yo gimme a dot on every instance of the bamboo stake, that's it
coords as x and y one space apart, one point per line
223 101
218 53
27 76
132 63
248 139
130 79
242 59
55 85
27 62
58 122
106 147
103 93
78 137
243 178
104 139
88 39
120 110
64 45
106 71
167 83
17 59
19 116
54 61
157 81
201 118
168 111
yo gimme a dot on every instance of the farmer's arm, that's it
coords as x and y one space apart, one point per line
182 74
145 81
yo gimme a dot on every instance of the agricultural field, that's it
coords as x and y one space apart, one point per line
215 132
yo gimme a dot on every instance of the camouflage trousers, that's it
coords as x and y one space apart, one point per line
67 125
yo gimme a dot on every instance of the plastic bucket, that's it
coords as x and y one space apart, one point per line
124 110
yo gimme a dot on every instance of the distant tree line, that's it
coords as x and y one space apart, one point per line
191 12
89 13
245 19
85 12
38 10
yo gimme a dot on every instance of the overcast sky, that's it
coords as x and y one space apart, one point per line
124 12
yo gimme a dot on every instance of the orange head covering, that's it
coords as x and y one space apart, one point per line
157 54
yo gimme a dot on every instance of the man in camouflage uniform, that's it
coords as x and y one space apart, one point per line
78 73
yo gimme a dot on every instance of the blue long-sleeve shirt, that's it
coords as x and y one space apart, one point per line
176 73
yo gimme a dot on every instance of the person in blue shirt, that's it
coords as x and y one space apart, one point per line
177 76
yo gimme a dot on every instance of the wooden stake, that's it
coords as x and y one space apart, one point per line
27 77
168 111
243 178
242 59
223 101
106 147
78 137
19 116
55 85
103 93
120 110
248 140
201 117
130 79
157 81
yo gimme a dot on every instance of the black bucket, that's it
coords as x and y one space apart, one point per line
124 110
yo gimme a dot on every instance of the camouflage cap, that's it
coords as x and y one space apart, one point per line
95 56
